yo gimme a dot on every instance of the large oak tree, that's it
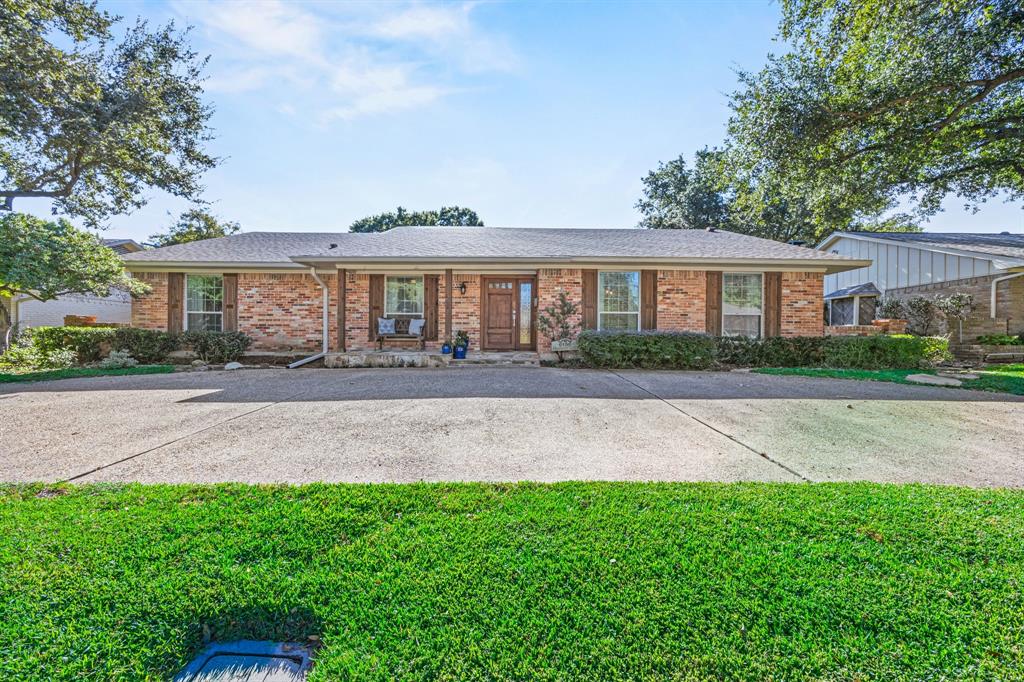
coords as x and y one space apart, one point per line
91 117
884 104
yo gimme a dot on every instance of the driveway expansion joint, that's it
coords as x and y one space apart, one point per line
178 439
762 455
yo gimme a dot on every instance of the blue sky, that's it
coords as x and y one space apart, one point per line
533 114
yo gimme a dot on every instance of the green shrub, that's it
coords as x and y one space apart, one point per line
21 358
145 345
648 350
665 350
1001 340
776 351
216 347
118 359
901 351
88 343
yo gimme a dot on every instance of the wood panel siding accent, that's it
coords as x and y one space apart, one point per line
430 307
589 299
230 303
713 319
175 301
773 304
376 304
448 296
342 277
649 299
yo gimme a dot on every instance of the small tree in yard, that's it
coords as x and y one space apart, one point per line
45 259
556 321
957 307
920 315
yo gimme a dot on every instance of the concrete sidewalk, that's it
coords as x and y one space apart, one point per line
504 424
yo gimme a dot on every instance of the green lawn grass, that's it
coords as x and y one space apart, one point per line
74 372
999 378
584 581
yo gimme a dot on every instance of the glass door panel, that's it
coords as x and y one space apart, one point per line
525 314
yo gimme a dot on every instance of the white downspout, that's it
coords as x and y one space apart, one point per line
997 280
326 337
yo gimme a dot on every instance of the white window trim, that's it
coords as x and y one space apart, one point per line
640 284
423 295
760 333
184 304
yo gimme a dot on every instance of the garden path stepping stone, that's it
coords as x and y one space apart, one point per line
933 380
249 661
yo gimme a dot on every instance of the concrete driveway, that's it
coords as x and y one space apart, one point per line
504 424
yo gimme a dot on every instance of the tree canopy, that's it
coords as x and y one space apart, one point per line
447 215
91 120
195 225
679 196
884 104
46 259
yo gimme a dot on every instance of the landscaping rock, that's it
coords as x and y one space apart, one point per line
198 363
933 380
233 365
965 376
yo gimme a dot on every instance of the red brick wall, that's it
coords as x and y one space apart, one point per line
682 300
357 311
550 282
803 304
357 315
150 311
465 307
282 311
1009 304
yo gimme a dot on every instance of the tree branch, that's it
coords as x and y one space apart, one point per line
987 85
10 196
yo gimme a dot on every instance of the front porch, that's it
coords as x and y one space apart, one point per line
429 358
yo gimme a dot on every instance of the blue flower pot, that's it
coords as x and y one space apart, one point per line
460 353
446 349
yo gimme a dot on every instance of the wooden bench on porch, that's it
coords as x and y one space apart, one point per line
402 333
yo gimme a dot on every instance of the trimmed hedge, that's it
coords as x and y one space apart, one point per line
216 347
92 343
666 350
900 351
145 345
776 351
648 350
86 342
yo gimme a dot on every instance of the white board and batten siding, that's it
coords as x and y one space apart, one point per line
895 265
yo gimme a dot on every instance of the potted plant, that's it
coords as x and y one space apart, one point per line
461 345
446 347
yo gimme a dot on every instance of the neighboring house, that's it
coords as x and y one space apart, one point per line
989 267
489 282
115 308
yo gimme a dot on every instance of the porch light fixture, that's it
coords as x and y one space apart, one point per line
462 288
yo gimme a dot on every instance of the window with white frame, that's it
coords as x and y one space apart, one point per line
618 301
742 304
204 303
403 296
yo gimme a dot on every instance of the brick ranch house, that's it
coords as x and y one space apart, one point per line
288 290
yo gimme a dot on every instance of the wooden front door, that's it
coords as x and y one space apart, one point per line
507 313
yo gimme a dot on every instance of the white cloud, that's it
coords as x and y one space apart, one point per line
421 21
345 60
266 26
